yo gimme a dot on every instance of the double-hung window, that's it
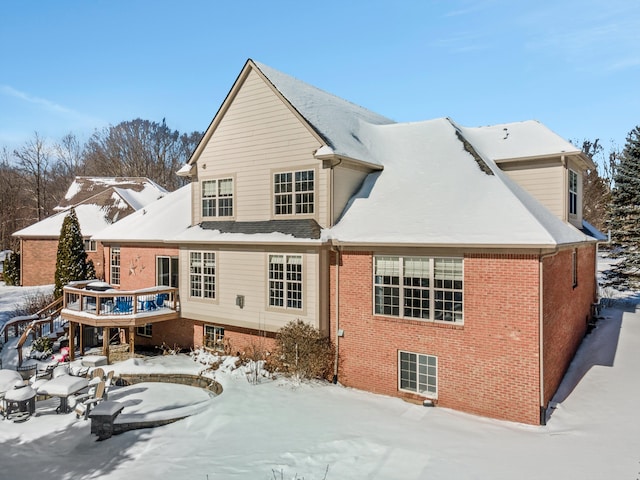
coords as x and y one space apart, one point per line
418 373
419 287
285 281
114 263
217 198
573 193
202 274
293 192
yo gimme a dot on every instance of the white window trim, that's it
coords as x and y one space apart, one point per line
417 391
114 253
217 335
217 197
142 330
573 193
432 289
90 245
294 192
202 275
285 295
171 272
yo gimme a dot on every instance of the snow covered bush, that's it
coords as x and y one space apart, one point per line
42 347
303 351
33 302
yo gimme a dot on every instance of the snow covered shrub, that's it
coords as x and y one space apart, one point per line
303 351
11 269
167 350
41 347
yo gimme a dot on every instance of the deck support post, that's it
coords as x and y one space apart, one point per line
105 342
72 340
132 341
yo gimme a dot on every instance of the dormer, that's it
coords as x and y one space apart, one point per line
541 162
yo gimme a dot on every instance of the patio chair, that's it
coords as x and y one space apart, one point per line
108 383
123 305
85 402
161 298
97 372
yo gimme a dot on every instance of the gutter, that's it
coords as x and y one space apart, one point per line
338 253
543 408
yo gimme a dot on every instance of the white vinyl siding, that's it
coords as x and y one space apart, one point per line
246 273
256 137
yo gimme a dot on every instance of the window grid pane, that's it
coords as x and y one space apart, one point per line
217 198
418 373
432 288
202 274
115 265
285 281
294 192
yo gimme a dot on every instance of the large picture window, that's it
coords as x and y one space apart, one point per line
217 198
114 263
202 274
418 373
293 192
285 281
419 287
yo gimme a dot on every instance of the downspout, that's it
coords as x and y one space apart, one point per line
543 408
337 309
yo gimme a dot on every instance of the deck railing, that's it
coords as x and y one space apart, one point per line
114 302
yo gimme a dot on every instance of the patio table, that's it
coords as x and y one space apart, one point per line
22 398
63 386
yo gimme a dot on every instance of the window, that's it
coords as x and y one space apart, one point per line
89 245
115 265
418 373
214 337
293 193
573 193
145 330
574 268
419 287
202 274
217 198
285 281
167 271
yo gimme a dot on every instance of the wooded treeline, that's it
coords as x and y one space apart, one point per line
35 176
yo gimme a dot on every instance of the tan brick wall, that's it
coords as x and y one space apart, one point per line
488 366
566 311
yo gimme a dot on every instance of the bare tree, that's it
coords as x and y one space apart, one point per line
140 148
33 162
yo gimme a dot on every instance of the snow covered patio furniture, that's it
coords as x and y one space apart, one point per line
102 418
85 402
94 361
63 387
20 399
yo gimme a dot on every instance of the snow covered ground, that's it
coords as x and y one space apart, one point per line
279 429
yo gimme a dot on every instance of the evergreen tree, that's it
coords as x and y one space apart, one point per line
71 261
624 219
11 269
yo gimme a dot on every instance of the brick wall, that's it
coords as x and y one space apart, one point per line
138 265
39 261
566 311
38 258
488 366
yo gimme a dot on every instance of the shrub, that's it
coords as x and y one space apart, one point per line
33 303
42 344
303 351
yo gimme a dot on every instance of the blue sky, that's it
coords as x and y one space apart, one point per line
77 66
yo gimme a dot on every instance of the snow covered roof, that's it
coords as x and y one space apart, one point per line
518 140
101 201
157 221
137 191
433 191
336 120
